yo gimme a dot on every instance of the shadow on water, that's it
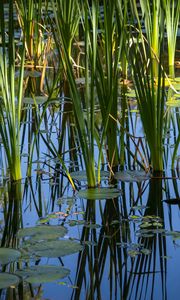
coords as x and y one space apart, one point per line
124 240
12 214
105 262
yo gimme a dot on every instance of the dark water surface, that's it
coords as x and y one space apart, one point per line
131 244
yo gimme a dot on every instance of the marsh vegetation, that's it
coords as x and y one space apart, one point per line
89 149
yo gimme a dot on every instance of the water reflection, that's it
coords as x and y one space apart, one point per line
126 245
105 261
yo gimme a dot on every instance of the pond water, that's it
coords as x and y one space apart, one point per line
120 240
120 243
130 244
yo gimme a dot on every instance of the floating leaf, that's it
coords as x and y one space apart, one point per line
66 200
135 218
52 216
8 255
68 285
92 226
152 217
132 176
147 235
89 243
135 245
145 225
133 253
99 193
76 222
43 220
157 231
145 251
157 224
122 244
37 100
41 274
139 207
81 175
42 232
55 248
62 283
173 233
7 280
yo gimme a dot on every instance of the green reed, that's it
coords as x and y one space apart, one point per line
32 18
107 76
63 36
150 92
11 94
172 13
153 17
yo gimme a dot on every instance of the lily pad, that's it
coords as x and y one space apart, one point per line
81 175
66 200
41 274
139 207
132 176
7 280
42 232
145 225
99 193
146 251
76 222
133 253
36 100
56 248
175 234
8 255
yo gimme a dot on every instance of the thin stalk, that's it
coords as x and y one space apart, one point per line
172 13
86 135
10 109
151 99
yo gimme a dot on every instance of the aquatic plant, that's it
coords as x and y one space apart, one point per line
32 17
84 121
11 88
154 26
107 76
150 92
172 13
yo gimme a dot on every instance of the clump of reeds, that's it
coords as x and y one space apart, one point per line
12 92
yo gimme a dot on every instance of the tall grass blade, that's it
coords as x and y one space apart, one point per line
10 108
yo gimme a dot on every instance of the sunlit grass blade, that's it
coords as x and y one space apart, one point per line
172 13
85 135
150 91
10 110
